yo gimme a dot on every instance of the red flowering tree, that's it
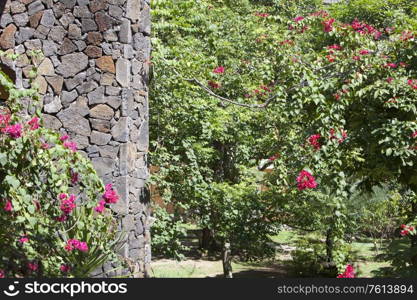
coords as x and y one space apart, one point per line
331 103
53 216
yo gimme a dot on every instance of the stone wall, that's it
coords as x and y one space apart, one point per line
93 82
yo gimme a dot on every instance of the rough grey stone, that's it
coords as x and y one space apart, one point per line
109 151
48 18
80 106
81 45
125 33
68 97
133 9
82 143
46 68
75 81
120 130
104 21
101 125
72 121
88 25
110 36
136 67
123 72
103 165
21 19
112 91
33 45
67 47
100 138
56 83
96 96
51 122
35 7
143 139
57 33
115 11
83 2
72 64
24 34
145 21
74 32
49 48
102 112
128 51
68 3
17 7
67 19
87 87
82 12
6 19
53 106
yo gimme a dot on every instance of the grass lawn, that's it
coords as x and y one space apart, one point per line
368 260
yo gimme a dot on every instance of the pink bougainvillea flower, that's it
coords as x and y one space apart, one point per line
314 141
343 133
330 58
328 25
100 207
8 206
24 239
356 57
64 138
34 123
261 15
62 218
4 120
390 79
364 52
83 247
62 196
68 204
71 145
213 85
45 146
404 232
32 266
73 244
65 268
110 195
2 274
274 157
287 42
306 181
348 273
391 65
334 47
219 70
14 131
298 19
413 135
412 83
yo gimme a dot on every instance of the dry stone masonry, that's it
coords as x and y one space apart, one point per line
93 81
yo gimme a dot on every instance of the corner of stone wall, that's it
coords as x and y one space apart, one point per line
94 86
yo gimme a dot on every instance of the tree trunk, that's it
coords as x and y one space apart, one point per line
227 261
329 245
207 239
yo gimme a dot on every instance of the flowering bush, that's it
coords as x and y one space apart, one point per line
348 273
49 222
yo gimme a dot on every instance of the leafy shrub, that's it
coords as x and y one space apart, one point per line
54 220
167 232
